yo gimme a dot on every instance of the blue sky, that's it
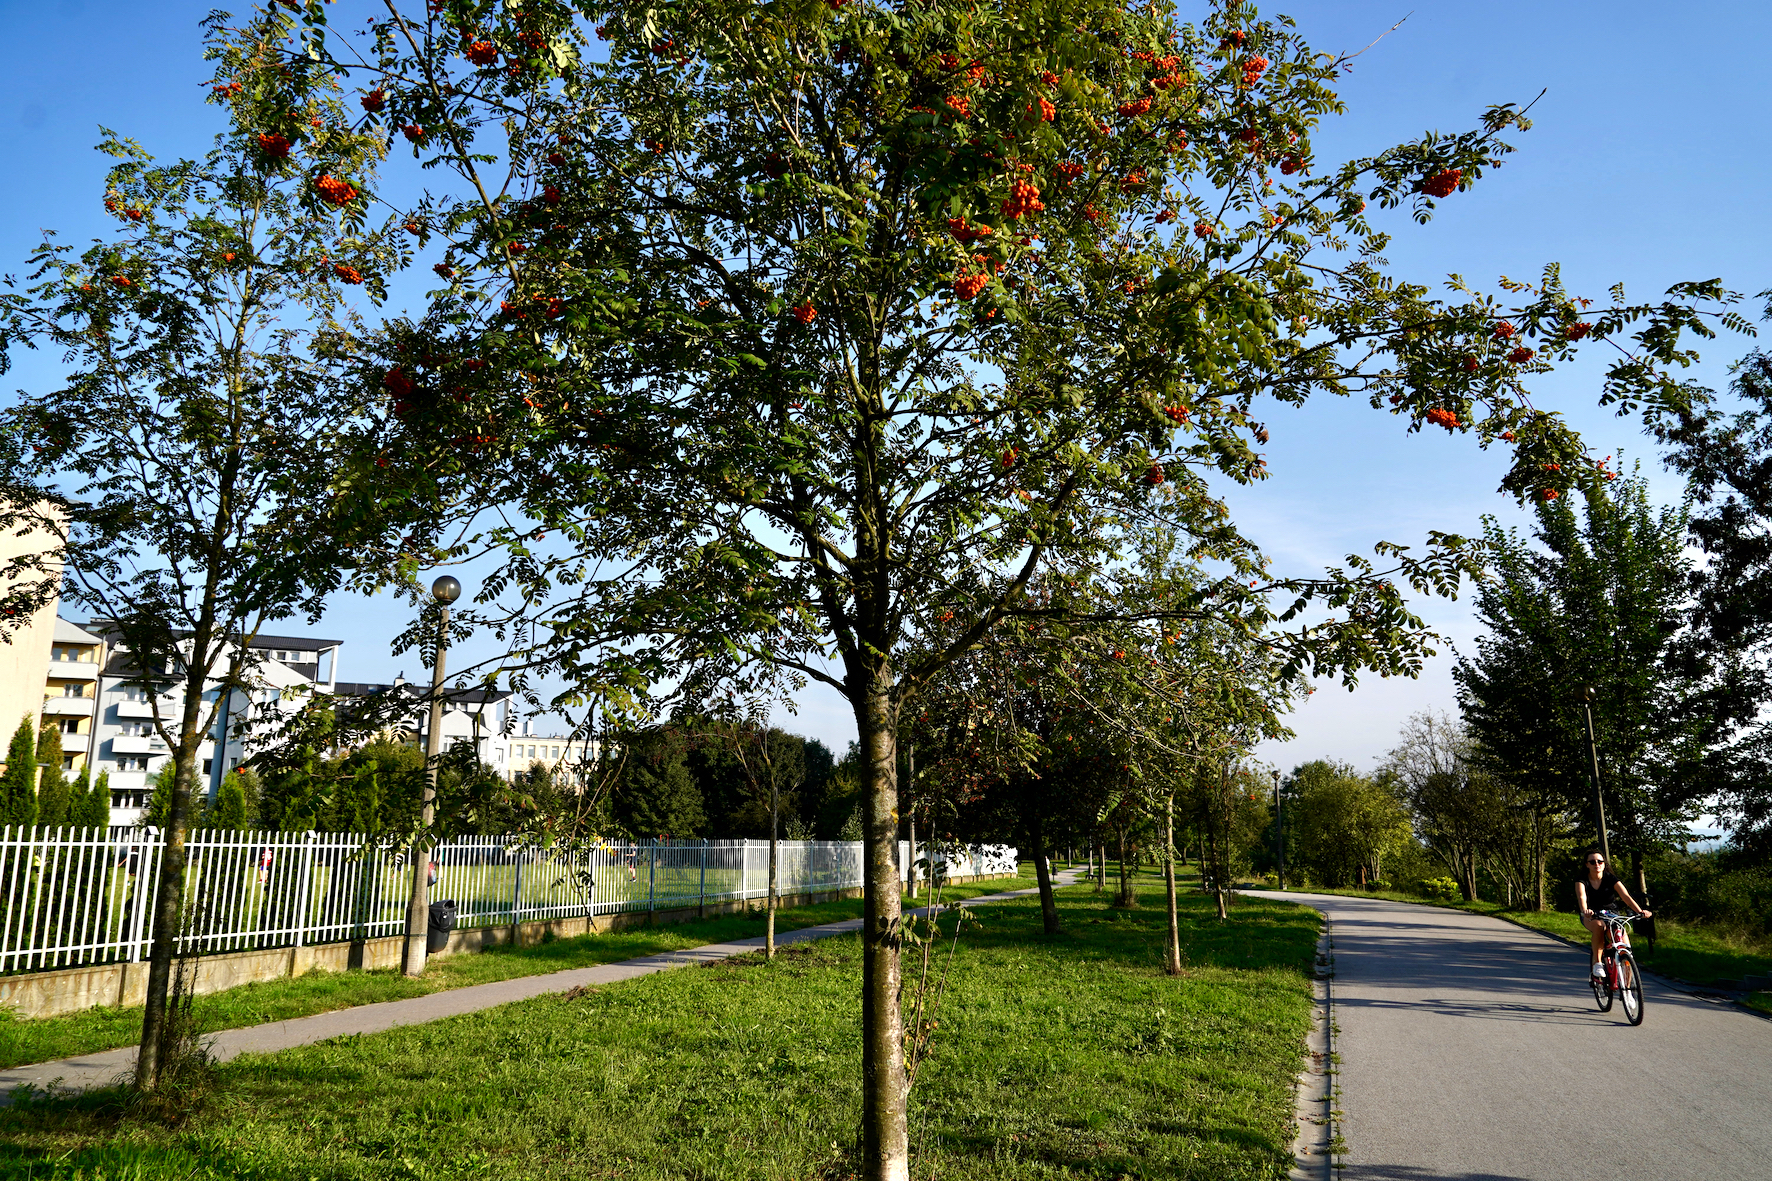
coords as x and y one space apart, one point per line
1647 165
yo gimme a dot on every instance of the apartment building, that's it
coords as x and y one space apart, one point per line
283 673
25 643
70 691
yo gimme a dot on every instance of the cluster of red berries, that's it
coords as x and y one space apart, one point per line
959 104
1577 330
1166 215
551 194
556 307
1134 109
1024 200
1176 414
1249 136
227 91
1041 111
122 281
1132 181
1521 355
1165 81
273 145
1547 494
413 132
397 383
1069 170
482 53
1009 458
1504 330
1291 164
1253 69
516 248
805 312
964 233
374 101
1442 417
968 286
1470 364
1092 213
444 270
336 191
1204 229
347 273
1443 184
1154 476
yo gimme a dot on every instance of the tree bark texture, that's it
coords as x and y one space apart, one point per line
1173 966
1043 875
769 901
169 897
884 1119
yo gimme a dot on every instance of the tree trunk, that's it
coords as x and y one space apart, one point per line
1043 875
170 895
769 902
884 1121
1100 855
1636 873
1173 967
1125 897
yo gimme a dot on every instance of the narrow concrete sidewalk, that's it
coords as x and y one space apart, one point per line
108 1066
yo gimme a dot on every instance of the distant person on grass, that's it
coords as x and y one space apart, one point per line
1595 891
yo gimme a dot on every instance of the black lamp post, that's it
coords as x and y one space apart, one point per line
446 590
1280 827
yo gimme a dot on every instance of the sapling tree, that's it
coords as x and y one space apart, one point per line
773 334
189 463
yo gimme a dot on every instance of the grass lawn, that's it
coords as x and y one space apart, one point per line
50 1038
1063 1057
1683 951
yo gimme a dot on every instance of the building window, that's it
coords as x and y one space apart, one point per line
208 766
74 690
67 762
136 729
132 763
70 725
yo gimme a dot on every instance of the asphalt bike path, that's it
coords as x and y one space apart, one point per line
106 1067
1471 1050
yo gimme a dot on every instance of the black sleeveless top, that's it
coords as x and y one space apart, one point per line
1603 896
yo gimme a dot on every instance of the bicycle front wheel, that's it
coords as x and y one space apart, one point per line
1630 987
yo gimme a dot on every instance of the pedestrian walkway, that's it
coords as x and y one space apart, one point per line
105 1067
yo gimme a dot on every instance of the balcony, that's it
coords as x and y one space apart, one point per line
145 709
137 744
65 706
73 670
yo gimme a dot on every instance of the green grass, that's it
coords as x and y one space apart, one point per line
1056 1057
1683 951
110 1027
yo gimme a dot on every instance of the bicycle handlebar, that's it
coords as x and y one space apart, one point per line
1618 917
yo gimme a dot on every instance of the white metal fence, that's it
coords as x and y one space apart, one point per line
76 896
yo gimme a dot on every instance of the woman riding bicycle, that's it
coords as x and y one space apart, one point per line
1596 891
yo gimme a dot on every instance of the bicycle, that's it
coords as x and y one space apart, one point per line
1622 979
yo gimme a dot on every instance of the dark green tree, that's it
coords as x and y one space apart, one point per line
656 794
233 805
1597 598
18 786
94 809
52 784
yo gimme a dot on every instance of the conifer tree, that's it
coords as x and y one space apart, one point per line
94 808
18 786
52 784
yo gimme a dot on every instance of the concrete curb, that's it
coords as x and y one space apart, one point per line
1313 1147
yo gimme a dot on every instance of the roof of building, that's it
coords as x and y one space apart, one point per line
294 643
73 633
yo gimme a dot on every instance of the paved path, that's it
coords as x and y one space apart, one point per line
107 1066
1471 1050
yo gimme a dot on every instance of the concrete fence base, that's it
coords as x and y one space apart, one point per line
69 990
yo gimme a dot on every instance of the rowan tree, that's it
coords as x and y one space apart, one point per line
187 466
773 333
